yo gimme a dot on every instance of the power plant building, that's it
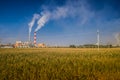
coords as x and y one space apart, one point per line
20 44
41 45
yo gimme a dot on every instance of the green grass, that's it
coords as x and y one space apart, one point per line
59 64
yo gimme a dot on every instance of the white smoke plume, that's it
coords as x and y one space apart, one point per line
47 15
60 12
35 16
68 10
41 22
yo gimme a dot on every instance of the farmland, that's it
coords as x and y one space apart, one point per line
60 64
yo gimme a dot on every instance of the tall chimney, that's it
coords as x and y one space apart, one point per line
98 39
35 38
29 37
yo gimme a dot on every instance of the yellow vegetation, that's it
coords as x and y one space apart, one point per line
60 64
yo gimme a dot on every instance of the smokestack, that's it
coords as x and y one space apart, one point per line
98 39
29 37
34 38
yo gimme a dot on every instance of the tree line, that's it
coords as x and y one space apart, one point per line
93 46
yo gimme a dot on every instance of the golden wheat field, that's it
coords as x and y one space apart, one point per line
60 64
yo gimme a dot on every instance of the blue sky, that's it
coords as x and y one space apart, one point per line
71 21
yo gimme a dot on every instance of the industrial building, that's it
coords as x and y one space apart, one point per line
28 44
20 44
41 45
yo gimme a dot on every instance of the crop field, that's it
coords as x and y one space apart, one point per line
60 64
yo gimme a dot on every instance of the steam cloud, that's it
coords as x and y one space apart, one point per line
45 17
36 16
69 10
60 12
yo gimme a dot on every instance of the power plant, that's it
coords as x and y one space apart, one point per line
29 44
